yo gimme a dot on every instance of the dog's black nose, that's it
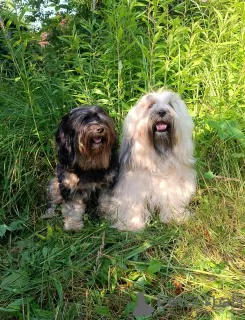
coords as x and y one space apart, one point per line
100 130
162 113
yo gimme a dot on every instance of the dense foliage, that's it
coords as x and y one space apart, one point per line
110 54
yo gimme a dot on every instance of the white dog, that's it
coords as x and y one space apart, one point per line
156 163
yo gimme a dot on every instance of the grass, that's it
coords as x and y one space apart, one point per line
111 57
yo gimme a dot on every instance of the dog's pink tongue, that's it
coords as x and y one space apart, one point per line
161 126
97 139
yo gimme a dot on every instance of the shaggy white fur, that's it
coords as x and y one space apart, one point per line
156 163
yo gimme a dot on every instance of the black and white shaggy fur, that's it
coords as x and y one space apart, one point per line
156 163
87 163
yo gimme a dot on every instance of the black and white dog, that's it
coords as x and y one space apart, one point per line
87 163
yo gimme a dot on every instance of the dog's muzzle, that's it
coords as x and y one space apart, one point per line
161 121
97 135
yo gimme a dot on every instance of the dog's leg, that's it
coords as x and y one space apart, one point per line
131 217
73 205
168 213
54 198
120 213
175 207
73 211
128 207
104 202
105 195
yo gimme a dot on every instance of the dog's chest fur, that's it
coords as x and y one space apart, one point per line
91 179
76 180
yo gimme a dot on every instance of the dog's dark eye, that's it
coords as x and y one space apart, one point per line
88 118
171 105
151 105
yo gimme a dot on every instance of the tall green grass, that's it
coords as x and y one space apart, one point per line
111 57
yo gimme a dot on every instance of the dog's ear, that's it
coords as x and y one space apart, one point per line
126 150
146 100
183 148
125 157
64 141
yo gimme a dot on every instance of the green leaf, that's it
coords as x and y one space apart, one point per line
238 155
236 133
8 310
154 266
23 12
3 229
102 310
136 250
223 135
120 33
213 124
65 39
10 279
59 289
41 314
209 175
41 237
49 232
16 225
16 304
97 91
140 282
130 307
45 252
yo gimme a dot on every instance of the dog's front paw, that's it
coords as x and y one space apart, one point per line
184 216
73 225
180 215
135 224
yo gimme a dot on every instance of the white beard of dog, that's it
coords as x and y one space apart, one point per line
155 175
